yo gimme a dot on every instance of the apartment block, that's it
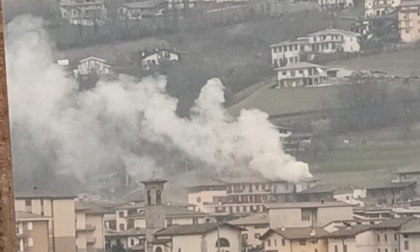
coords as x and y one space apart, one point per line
32 232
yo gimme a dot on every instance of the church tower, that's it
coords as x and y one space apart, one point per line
154 208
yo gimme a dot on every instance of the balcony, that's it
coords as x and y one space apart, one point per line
91 240
87 228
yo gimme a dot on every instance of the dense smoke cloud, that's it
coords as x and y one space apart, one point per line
126 122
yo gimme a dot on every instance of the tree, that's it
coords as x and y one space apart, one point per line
118 247
367 104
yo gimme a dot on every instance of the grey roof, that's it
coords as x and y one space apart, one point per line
21 216
260 218
130 206
144 4
91 207
390 185
307 205
299 65
288 42
319 189
154 180
42 195
128 232
297 233
410 3
349 231
334 31
192 229
172 211
411 227
414 168
392 223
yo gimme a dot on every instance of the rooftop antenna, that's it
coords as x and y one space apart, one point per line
7 207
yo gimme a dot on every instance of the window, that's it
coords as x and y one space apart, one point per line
30 242
303 243
379 238
275 242
158 249
406 245
406 236
122 226
244 208
335 248
29 226
407 30
158 197
386 250
300 71
245 236
222 242
305 215
345 248
268 242
238 209
28 202
395 237
198 199
121 214
386 237
257 235
284 72
379 250
283 242
132 242
179 250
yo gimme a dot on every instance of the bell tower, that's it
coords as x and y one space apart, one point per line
154 208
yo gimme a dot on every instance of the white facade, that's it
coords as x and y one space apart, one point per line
323 42
336 4
306 214
287 52
380 7
362 242
83 12
90 64
301 74
409 21
157 57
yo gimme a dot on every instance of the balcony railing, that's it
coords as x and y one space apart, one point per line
87 228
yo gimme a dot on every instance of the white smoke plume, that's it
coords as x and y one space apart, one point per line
126 122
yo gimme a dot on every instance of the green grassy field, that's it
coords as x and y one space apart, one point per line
374 162
402 63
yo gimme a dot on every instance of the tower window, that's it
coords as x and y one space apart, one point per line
149 198
158 197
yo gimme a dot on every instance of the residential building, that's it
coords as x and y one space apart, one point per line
409 236
141 9
90 229
390 193
175 215
32 232
358 238
301 74
368 213
351 196
408 174
122 212
157 57
243 196
409 21
376 8
343 224
93 64
307 214
207 237
295 239
387 234
254 226
406 211
287 52
61 210
83 12
332 41
318 193
306 48
336 4
133 239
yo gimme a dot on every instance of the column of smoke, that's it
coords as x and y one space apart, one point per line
54 125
